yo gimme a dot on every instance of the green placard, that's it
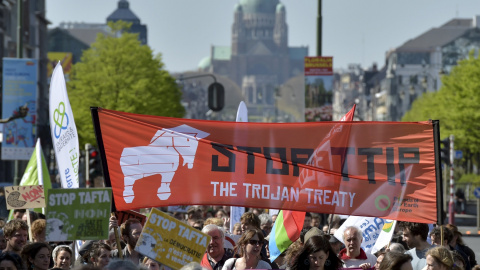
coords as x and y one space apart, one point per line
78 214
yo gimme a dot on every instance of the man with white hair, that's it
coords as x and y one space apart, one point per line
353 255
216 254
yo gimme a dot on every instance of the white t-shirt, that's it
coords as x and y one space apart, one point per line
230 264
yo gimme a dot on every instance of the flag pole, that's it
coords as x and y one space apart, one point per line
106 175
438 170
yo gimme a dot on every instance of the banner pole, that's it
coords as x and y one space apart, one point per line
438 170
101 148
117 239
29 223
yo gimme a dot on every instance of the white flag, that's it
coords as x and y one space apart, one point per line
63 130
385 235
370 226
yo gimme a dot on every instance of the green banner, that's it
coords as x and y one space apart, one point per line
78 214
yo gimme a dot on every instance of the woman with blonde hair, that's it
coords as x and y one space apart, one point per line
248 247
439 258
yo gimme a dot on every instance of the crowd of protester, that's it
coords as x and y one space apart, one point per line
413 247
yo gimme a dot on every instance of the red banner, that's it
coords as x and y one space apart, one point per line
382 169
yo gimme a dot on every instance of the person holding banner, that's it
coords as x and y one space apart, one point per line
248 247
130 231
16 233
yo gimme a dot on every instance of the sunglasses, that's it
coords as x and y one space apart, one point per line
255 242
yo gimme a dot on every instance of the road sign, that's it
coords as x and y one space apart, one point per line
458 154
477 192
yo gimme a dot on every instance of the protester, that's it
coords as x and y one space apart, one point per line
38 230
317 254
62 257
18 213
85 267
36 256
274 217
193 214
380 256
121 265
10 261
415 235
16 233
265 223
221 214
112 241
130 231
249 248
316 220
307 220
3 242
193 266
237 229
249 221
458 244
151 264
395 261
99 255
216 254
458 260
439 258
353 255
435 236
33 216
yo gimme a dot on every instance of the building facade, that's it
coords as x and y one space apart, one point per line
259 59
32 44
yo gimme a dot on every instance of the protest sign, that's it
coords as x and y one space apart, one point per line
78 214
378 169
170 241
122 216
23 197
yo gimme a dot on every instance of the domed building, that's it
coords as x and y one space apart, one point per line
259 59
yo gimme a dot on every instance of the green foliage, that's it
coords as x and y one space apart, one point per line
470 178
456 105
119 73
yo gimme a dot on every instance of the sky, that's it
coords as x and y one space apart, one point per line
353 32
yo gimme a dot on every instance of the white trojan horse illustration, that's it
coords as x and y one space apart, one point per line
161 156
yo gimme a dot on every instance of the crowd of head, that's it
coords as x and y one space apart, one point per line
414 246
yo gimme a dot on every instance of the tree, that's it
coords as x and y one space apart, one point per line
456 105
119 73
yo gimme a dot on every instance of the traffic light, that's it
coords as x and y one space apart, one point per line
94 163
216 97
445 151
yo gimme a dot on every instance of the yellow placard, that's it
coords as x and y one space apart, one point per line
170 241
23 197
